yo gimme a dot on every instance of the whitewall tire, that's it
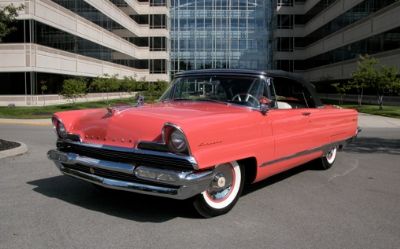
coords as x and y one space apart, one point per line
328 159
223 192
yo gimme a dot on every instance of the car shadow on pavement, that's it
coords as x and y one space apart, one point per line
141 208
374 145
279 177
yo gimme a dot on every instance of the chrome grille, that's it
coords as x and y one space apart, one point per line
137 157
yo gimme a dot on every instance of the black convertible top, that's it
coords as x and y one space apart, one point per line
246 72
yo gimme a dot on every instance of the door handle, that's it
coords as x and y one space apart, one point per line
306 113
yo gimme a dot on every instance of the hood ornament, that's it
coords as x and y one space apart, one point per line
110 111
139 101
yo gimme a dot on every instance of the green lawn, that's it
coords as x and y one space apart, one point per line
388 111
47 111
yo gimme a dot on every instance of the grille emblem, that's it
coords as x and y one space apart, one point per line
92 170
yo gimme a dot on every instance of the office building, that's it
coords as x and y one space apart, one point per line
58 39
221 34
153 39
323 39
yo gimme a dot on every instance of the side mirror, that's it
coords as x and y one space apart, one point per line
265 104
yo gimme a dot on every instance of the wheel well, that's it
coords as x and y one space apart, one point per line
250 166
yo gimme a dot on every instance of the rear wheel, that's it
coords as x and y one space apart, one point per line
223 192
328 159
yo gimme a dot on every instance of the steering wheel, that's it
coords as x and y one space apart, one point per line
246 97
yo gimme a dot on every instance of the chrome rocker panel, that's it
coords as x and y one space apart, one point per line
173 184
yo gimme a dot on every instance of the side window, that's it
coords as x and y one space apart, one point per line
290 94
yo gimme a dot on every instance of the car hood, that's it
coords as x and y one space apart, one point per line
126 126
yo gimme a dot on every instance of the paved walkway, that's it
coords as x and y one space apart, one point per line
373 121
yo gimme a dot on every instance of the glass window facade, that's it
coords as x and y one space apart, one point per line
351 16
221 34
284 44
289 21
386 41
30 31
285 21
90 13
285 2
318 8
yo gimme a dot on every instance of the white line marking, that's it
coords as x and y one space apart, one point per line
352 168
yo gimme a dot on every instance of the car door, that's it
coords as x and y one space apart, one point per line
291 119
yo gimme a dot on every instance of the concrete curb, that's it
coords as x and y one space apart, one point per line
34 122
21 149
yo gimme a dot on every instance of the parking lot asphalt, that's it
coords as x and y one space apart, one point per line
355 204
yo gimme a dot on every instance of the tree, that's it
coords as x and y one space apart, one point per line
106 84
155 89
386 82
128 84
341 89
99 85
43 88
364 76
114 84
74 88
7 17
370 74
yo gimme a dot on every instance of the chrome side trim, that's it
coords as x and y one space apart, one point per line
324 149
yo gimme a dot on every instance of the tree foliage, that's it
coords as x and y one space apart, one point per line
107 84
363 77
341 89
370 74
74 88
7 17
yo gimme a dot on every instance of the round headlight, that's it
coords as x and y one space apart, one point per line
177 141
61 131
60 128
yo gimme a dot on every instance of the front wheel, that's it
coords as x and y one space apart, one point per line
223 192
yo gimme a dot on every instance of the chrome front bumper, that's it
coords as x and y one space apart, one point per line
176 184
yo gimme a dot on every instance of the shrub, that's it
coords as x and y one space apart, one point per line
74 88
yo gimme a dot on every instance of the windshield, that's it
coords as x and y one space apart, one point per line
229 89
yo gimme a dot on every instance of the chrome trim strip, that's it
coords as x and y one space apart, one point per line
324 149
187 183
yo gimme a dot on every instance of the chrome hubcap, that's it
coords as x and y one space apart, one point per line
330 156
222 184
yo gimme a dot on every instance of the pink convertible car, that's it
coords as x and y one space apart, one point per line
211 131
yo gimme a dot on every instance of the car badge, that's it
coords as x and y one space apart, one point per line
91 170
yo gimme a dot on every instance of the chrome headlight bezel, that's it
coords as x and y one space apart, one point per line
59 128
175 139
